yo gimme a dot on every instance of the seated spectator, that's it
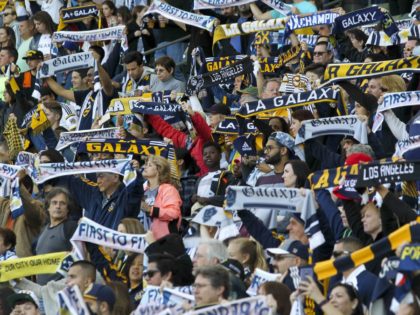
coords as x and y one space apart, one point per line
164 79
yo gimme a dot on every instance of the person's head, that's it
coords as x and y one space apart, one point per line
210 253
122 298
133 62
275 152
211 285
371 57
9 15
298 117
295 174
109 9
358 38
47 95
138 12
50 156
57 202
314 72
271 88
371 219
357 148
7 240
134 269
79 79
23 303
248 94
43 23
33 59
345 298
4 153
228 11
8 55
5 308
296 229
165 67
53 111
123 15
290 253
26 28
249 253
392 83
157 167
322 53
81 273
218 112
346 246
409 47
108 182
7 36
212 154
280 294
8 96
278 123
374 87
100 299
159 268
131 226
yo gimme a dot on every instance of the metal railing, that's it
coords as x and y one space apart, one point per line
181 39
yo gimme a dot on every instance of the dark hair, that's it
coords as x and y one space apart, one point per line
280 293
377 57
88 267
302 115
12 36
45 90
359 35
111 5
44 18
128 263
55 192
180 267
135 10
353 295
167 62
53 155
9 237
4 294
122 299
99 50
323 43
83 72
351 242
9 91
301 170
165 262
284 125
317 68
133 56
212 144
125 14
189 162
218 276
12 52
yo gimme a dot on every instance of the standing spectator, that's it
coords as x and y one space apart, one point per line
44 25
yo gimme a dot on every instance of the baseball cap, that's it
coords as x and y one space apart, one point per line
14 299
100 292
291 247
235 267
220 109
252 90
34 54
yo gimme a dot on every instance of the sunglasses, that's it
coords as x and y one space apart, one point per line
319 53
150 273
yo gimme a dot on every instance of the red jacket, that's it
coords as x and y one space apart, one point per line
179 138
166 211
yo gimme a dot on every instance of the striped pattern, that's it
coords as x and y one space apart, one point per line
379 249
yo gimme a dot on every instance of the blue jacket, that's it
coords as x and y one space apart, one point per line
124 202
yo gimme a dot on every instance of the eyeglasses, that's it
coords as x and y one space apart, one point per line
200 285
150 273
7 14
337 254
319 53
268 148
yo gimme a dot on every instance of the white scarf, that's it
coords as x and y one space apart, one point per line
175 14
51 67
92 232
342 125
69 138
110 33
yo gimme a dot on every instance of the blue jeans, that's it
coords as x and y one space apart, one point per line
175 51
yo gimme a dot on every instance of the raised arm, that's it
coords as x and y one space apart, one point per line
60 91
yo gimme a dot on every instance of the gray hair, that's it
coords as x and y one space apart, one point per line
361 148
215 249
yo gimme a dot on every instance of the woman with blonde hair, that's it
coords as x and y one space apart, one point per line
249 253
162 199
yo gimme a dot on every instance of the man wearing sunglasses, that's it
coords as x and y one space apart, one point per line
322 54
